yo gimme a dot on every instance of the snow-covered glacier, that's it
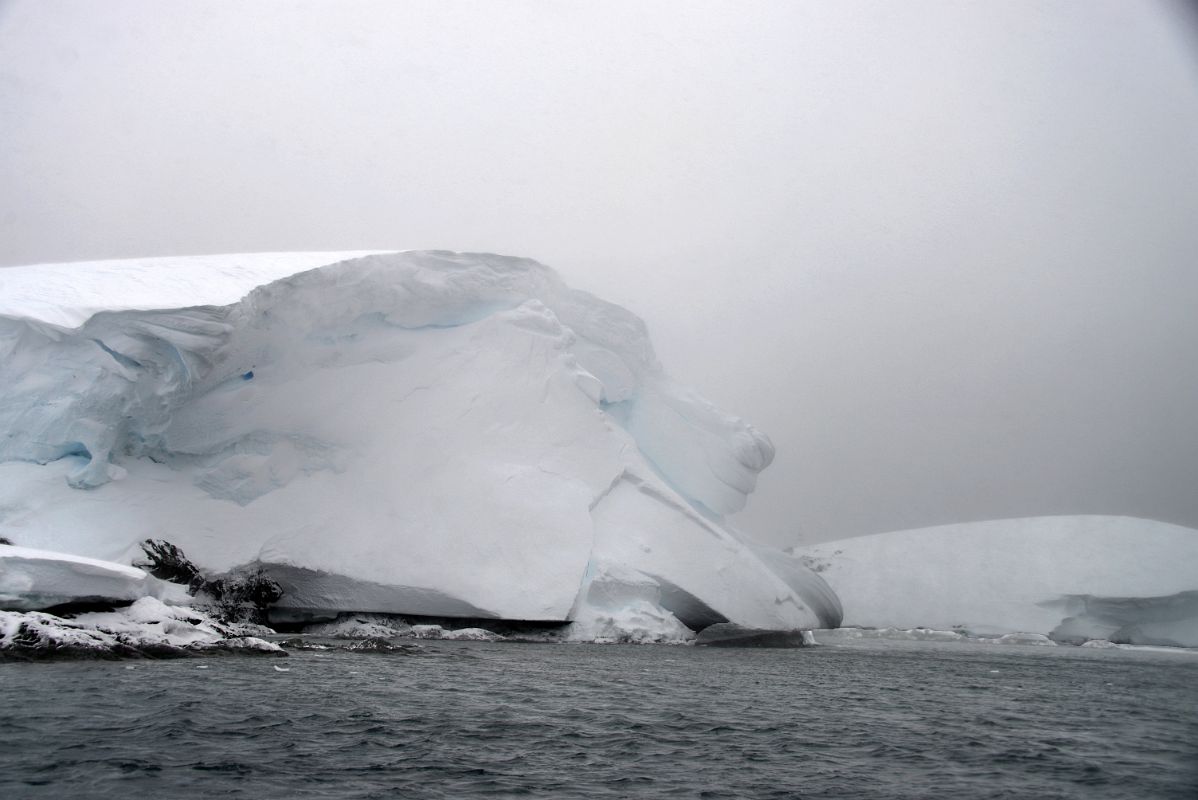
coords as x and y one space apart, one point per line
1073 578
427 433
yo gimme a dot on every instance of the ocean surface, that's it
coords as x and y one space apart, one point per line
876 719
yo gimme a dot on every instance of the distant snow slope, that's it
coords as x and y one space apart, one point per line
422 432
1073 577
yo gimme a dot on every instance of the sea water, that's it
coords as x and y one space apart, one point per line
874 719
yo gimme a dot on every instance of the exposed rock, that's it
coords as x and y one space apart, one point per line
243 595
166 562
375 645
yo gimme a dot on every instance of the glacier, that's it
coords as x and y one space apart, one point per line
1071 578
423 433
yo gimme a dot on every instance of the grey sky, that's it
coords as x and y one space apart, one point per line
943 253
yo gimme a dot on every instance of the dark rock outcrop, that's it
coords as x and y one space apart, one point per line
243 595
166 562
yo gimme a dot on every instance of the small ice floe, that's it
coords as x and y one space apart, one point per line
281 669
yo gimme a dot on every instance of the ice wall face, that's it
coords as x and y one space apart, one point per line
421 432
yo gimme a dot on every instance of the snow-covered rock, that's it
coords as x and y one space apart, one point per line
383 626
360 626
429 433
453 635
1070 577
145 628
33 579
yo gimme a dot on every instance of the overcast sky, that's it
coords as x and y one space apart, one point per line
944 254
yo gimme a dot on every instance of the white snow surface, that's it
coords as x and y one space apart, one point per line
67 295
32 579
422 432
1071 577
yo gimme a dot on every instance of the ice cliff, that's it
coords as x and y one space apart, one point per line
1073 578
422 433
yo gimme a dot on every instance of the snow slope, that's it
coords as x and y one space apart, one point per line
422 432
1071 577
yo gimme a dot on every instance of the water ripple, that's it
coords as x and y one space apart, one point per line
495 721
